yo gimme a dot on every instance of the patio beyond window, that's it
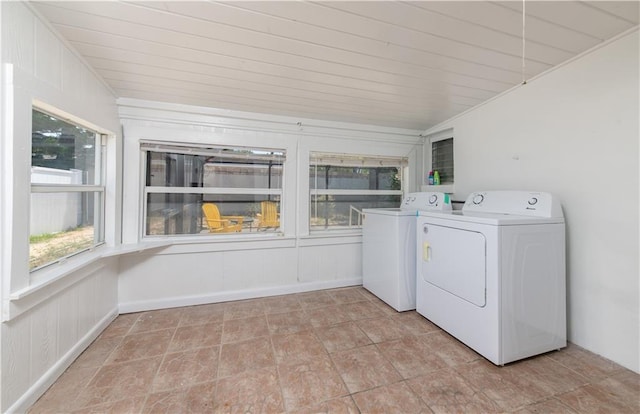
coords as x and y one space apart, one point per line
211 190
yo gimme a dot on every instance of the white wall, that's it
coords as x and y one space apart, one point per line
216 268
48 316
573 132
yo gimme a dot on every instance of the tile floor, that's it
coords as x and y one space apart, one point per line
338 351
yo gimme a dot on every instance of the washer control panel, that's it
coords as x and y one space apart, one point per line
426 201
522 203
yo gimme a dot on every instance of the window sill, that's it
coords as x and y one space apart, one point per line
214 238
221 243
56 276
319 234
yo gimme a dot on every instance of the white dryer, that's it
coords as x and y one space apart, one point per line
388 248
493 273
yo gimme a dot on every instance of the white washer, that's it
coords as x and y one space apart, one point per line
388 248
493 274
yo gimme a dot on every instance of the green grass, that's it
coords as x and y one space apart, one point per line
50 247
39 238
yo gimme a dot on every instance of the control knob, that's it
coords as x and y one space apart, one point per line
433 199
533 201
478 198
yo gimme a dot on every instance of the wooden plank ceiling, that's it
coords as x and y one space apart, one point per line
399 64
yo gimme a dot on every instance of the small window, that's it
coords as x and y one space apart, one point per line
342 185
67 191
212 190
442 159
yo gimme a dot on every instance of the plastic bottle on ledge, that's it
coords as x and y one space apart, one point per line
436 178
430 177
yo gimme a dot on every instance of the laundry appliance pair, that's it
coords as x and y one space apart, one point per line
493 274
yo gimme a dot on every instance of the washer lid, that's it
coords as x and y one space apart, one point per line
389 211
493 219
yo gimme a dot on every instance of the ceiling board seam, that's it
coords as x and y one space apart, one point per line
337 62
601 10
444 37
383 42
371 120
327 102
430 90
517 14
530 15
310 58
434 93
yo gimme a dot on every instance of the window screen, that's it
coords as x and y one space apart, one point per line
442 159
342 185
212 190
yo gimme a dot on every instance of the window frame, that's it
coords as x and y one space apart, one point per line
353 160
97 188
189 148
437 137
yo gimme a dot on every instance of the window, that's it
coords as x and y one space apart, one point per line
442 159
342 185
67 190
211 190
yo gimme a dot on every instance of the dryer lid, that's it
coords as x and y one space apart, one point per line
519 203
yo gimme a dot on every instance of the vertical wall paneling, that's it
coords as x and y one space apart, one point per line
87 290
48 56
44 330
67 321
18 35
40 343
73 76
44 339
16 359
3 198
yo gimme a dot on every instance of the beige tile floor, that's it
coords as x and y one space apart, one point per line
338 351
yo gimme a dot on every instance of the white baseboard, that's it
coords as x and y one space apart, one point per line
226 296
45 381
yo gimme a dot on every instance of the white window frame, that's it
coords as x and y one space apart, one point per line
99 188
318 158
202 149
430 139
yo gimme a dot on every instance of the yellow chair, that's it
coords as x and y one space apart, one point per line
269 216
218 223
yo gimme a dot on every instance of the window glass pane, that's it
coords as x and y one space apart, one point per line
340 211
349 183
63 153
175 214
63 224
232 190
246 169
243 175
442 159
331 177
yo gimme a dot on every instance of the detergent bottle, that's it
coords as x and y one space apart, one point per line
436 178
430 177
